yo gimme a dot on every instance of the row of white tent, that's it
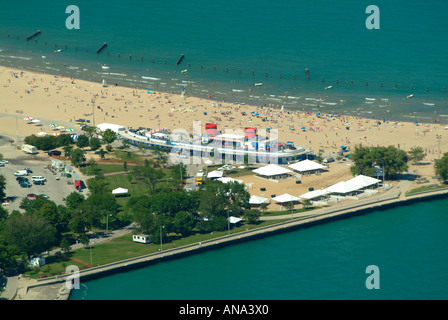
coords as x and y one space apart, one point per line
341 188
301 166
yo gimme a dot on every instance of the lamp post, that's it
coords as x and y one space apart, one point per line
161 242
439 137
91 260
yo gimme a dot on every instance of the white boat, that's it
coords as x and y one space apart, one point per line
258 84
105 67
409 96
329 87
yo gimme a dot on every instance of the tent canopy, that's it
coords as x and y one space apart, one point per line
257 200
362 181
233 219
228 179
314 194
306 165
284 198
272 170
215 174
119 191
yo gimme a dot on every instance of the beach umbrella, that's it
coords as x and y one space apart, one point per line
41 133
69 130
28 119
74 136
303 128
53 125
56 133
60 127
318 114
415 121
35 121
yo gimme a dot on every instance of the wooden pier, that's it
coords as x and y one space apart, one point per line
33 35
102 47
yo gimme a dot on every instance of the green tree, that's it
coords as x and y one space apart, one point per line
416 155
82 141
252 215
7 259
65 245
77 157
148 175
74 200
109 136
2 187
29 234
64 140
393 160
184 223
441 167
95 143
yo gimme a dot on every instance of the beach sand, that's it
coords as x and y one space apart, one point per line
62 100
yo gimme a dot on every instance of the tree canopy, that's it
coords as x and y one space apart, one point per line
392 160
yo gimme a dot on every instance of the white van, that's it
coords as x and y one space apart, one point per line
21 173
38 178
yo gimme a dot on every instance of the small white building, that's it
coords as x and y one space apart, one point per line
114 127
141 238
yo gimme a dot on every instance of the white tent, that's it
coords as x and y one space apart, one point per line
120 191
233 219
272 170
342 187
285 198
215 174
257 200
228 179
362 181
306 165
314 194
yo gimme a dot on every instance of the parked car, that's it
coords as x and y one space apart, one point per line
329 159
22 179
44 196
31 195
20 173
25 184
3 162
39 182
28 170
54 153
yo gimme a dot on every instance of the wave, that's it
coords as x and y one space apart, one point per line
151 78
16 57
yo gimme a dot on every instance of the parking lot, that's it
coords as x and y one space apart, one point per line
55 189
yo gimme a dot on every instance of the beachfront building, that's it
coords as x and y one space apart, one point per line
114 127
307 167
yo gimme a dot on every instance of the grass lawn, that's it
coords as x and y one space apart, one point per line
425 188
104 168
123 248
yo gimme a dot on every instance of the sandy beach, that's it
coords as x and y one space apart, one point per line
62 100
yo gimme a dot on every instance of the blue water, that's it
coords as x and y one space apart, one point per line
277 38
408 245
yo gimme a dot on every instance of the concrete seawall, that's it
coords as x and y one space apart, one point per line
320 216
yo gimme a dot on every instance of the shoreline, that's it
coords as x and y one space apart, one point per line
52 285
170 110
133 86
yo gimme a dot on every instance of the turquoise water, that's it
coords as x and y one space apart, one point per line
264 37
329 261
